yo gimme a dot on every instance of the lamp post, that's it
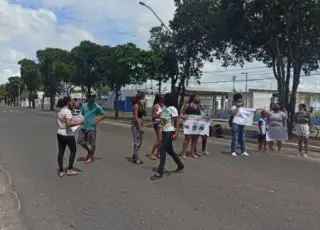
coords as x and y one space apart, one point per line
155 14
246 74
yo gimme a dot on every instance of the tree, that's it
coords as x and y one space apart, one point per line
285 35
13 90
126 64
88 58
3 94
189 49
30 76
163 61
51 62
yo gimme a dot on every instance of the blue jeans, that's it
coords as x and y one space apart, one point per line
238 136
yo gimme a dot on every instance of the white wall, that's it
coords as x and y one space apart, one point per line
261 100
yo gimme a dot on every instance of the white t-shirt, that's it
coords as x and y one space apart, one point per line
63 129
167 119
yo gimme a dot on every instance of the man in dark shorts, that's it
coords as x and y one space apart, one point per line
93 114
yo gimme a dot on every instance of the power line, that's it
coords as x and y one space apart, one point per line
239 69
253 79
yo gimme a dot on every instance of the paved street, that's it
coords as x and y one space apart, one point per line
218 192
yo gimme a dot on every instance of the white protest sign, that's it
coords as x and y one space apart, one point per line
196 125
76 118
244 116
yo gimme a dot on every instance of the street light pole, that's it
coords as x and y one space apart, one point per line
155 14
246 74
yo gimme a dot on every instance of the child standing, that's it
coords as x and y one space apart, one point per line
262 130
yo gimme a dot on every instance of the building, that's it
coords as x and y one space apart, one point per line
261 98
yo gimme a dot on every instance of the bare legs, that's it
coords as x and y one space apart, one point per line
189 139
155 152
271 143
303 140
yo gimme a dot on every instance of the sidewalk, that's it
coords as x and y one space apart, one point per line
125 118
313 144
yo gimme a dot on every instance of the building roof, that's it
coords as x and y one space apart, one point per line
208 90
274 90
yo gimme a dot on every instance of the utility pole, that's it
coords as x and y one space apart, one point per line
246 74
234 79
19 94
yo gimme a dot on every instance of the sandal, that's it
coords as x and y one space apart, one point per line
156 176
89 161
153 157
72 173
138 162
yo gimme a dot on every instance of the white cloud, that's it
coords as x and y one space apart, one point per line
23 31
64 23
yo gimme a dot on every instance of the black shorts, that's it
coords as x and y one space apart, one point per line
262 137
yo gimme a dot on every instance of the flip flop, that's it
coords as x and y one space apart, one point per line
72 173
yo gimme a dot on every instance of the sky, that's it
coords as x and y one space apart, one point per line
29 25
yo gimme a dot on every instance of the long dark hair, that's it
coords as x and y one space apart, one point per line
158 99
62 102
138 97
170 99
191 98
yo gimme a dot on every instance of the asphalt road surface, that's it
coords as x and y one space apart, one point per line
217 192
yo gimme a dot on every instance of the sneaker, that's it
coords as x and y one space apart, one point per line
245 154
206 153
305 155
234 154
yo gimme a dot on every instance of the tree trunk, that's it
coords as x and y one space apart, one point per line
292 101
115 106
42 102
173 83
89 89
52 101
159 86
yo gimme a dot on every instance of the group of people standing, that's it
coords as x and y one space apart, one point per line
273 128
166 125
91 115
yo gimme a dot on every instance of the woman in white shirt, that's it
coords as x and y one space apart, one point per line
169 125
65 136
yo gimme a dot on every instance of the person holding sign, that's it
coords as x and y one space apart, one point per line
277 127
169 124
192 108
240 118
93 114
65 136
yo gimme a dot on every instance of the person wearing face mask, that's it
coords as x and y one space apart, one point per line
276 127
93 114
139 110
65 136
302 124
191 108
237 130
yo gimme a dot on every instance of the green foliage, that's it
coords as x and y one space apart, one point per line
30 75
13 88
163 61
283 34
